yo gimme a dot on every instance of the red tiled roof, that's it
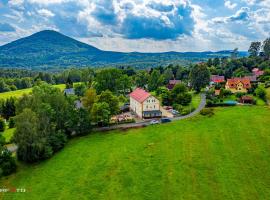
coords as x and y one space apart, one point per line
232 83
172 83
140 95
257 72
217 79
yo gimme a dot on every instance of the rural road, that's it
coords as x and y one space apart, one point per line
146 123
13 147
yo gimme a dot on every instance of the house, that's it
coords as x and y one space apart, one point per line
238 85
172 83
256 72
144 104
214 79
69 91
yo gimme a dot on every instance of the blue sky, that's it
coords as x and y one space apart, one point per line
141 25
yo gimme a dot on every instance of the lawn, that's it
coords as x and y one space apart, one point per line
223 157
8 133
19 93
268 94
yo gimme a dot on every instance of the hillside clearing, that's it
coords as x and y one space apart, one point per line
223 157
19 93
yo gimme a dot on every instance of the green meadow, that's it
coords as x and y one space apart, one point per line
226 156
19 93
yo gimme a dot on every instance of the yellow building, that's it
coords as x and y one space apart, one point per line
238 85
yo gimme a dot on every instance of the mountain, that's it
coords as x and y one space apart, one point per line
49 49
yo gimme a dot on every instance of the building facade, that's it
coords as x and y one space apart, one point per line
238 85
144 104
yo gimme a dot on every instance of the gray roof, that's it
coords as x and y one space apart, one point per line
69 91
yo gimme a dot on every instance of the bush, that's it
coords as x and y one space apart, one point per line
239 94
207 112
57 141
7 162
227 92
2 125
11 122
261 93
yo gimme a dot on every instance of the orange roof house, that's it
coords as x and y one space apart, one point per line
238 85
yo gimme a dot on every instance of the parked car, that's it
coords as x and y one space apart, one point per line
175 112
165 120
154 122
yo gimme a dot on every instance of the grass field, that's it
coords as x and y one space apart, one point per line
268 94
223 157
8 133
19 93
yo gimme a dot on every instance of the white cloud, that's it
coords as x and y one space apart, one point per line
229 4
45 13
15 2
47 2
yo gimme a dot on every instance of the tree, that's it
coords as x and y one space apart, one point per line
32 146
101 113
199 77
2 125
11 122
179 88
107 79
69 82
7 162
183 99
155 80
168 75
113 102
124 84
234 53
89 98
80 89
8 108
216 62
254 49
141 79
261 92
266 48
209 62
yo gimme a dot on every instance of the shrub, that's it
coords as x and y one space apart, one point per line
11 122
207 112
239 94
260 92
2 125
227 92
57 141
7 162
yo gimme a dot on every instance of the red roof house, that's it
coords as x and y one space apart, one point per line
217 79
172 83
257 72
144 104
140 95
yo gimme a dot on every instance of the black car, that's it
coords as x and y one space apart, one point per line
165 120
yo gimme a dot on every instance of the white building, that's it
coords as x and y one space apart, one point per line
144 104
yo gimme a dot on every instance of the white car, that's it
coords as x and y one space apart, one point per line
154 122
